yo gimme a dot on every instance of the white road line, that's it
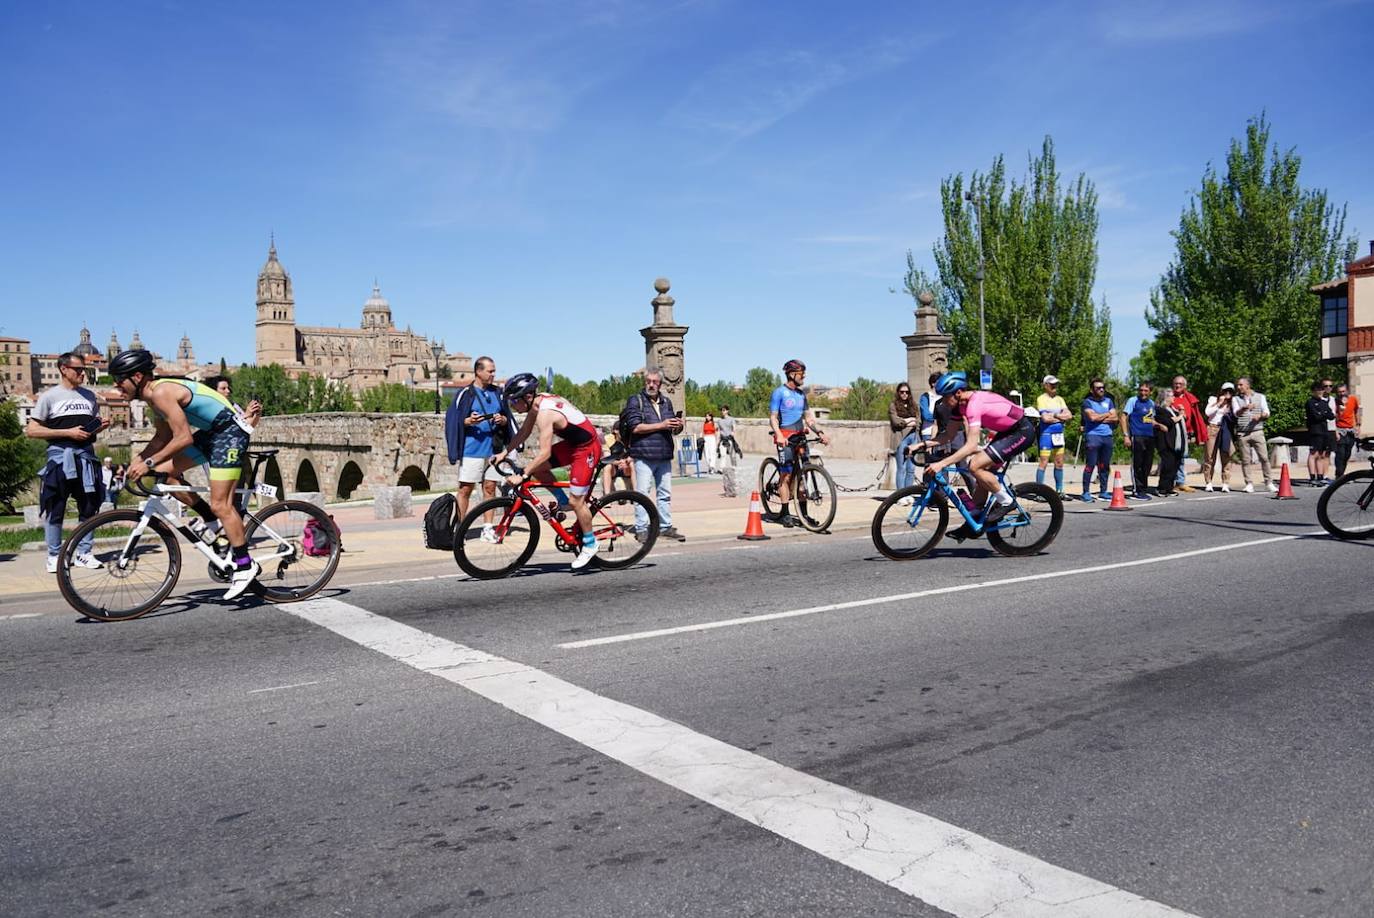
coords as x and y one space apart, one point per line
939 863
4 618
282 688
937 591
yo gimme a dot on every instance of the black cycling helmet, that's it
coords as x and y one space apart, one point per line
793 366
950 383
521 385
127 363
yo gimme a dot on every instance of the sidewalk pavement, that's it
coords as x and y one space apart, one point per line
701 512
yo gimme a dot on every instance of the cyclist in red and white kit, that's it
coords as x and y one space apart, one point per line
578 447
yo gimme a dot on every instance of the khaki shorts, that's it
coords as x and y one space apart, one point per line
477 468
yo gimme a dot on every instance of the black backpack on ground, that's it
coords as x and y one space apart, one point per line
439 523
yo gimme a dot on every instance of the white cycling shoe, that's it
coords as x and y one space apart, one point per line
585 556
241 580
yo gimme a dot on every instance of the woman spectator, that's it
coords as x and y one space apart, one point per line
709 442
1220 436
1172 440
905 419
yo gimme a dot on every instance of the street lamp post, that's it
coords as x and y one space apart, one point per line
412 389
437 350
986 361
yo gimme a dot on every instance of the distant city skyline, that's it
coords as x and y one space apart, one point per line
515 176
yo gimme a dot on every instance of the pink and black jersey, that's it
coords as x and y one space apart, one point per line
991 411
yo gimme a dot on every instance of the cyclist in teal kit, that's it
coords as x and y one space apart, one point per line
789 414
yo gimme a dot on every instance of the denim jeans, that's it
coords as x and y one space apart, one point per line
1099 457
52 526
654 479
906 469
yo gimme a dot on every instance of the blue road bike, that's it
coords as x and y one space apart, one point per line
905 531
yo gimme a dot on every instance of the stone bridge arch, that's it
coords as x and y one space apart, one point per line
306 479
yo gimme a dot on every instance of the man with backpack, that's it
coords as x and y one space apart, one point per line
477 426
650 423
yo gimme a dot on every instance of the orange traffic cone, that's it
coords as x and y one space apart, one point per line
753 529
1118 495
1285 486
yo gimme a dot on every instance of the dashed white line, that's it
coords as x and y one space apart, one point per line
948 867
920 594
282 688
5 618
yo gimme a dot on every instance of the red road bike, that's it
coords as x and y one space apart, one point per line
497 537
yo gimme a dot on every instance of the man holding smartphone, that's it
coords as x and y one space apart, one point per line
654 424
67 416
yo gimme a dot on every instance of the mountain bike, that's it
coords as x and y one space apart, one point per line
1346 507
141 562
905 533
813 490
515 533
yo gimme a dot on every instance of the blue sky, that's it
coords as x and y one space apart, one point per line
517 174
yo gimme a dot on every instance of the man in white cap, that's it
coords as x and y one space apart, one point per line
1054 411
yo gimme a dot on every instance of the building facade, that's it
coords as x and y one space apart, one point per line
16 372
1348 328
374 352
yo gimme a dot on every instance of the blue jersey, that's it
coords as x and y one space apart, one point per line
789 405
1141 414
1101 406
477 439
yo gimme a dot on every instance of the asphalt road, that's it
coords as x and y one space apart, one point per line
1167 711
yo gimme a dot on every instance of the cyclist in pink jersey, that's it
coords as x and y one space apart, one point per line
1012 433
578 447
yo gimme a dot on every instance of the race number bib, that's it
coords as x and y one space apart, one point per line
1057 439
266 490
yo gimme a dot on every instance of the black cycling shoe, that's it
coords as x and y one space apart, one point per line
995 513
959 534
788 521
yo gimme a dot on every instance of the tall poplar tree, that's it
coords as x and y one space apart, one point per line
1039 246
1235 301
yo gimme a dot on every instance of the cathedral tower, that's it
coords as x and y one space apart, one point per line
276 324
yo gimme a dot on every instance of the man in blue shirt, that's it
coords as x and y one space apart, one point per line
788 414
475 419
1099 414
1138 427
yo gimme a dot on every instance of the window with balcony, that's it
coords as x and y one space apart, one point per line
1335 315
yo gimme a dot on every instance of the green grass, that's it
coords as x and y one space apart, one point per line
13 540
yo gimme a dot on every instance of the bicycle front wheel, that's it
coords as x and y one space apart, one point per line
137 569
907 531
613 522
490 549
1032 525
816 497
276 540
1346 507
768 488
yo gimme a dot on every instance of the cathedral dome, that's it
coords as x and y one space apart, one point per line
85 348
376 311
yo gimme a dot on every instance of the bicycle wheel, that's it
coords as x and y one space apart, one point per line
276 540
135 575
1037 519
816 497
514 537
768 488
1346 507
907 532
613 519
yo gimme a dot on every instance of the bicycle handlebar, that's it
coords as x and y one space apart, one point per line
135 485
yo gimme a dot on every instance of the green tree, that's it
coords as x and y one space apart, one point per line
1039 247
1235 299
867 401
753 401
21 458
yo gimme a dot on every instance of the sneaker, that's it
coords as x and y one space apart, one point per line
995 513
1273 488
1249 488
52 564
640 535
1087 497
585 556
488 535
1139 495
672 533
242 579
1186 489
87 561
1061 494
1225 488
1209 488
1104 495
906 501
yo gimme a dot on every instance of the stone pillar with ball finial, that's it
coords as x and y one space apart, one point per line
927 351
663 343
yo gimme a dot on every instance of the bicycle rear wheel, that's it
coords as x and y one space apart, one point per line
513 539
613 522
768 488
1346 507
135 576
276 540
1039 514
816 497
907 532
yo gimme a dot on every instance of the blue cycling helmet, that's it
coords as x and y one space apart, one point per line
950 383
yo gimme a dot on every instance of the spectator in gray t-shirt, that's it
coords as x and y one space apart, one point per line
725 426
67 416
